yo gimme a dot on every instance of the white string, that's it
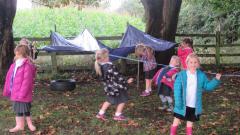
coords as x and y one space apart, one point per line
226 75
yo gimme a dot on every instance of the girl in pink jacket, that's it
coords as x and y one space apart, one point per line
185 48
164 79
19 85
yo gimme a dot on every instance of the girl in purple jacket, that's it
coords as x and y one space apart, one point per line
19 85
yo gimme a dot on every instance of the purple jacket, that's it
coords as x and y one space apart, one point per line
23 83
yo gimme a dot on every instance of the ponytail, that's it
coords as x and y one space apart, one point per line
97 68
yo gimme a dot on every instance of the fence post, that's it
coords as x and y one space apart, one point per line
54 63
217 48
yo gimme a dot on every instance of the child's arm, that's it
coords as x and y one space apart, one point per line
149 54
171 74
212 84
155 77
28 80
178 91
130 80
6 91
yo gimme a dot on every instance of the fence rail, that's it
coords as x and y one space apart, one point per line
217 55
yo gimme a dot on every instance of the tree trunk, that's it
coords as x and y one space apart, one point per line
162 18
7 14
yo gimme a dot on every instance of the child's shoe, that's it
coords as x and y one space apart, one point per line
173 130
32 128
15 129
120 118
19 125
30 124
145 93
101 117
188 130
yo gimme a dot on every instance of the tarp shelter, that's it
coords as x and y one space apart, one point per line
85 43
133 36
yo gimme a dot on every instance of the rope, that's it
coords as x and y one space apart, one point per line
137 60
121 57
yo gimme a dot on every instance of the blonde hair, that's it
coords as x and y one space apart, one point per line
100 56
140 48
24 51
193 56
174 57
24 41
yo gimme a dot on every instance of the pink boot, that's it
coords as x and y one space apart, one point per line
188 130
30 124
173 130
19 125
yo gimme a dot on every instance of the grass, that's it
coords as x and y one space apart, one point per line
74 112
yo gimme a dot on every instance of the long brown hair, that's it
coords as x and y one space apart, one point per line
24 51
188 41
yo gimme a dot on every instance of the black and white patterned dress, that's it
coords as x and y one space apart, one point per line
115 85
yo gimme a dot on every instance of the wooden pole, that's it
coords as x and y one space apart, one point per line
138 74
54 63
217 48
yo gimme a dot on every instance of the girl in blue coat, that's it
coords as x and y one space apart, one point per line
188 88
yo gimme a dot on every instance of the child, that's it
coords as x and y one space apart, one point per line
19 85
146 54
188 88
164 79
185 48
114 85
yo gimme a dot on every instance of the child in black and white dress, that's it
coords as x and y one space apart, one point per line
115 85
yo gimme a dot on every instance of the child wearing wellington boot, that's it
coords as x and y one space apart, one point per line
146 54
115 85
164 79
188 88
19 85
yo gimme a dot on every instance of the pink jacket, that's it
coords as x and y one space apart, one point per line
167 80
182 54
23 83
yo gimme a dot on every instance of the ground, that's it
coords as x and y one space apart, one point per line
73 112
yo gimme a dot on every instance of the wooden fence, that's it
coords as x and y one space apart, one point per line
218 37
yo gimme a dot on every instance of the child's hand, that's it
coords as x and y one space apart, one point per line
130 80
218 76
